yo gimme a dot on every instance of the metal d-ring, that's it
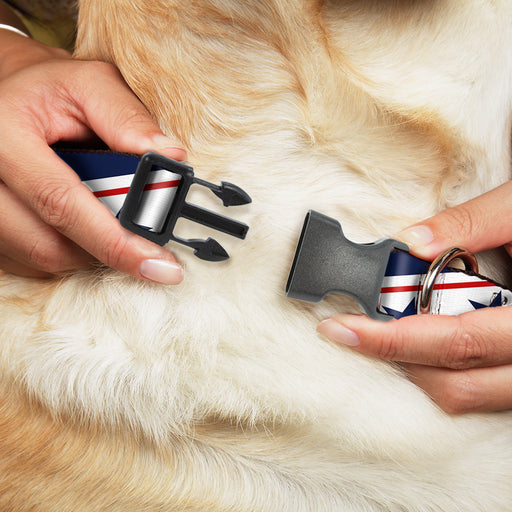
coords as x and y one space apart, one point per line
437 267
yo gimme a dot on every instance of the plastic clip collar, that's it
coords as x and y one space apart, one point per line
208 249
326 262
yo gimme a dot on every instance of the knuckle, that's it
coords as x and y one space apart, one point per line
42 257
460 394
461 220
98 68
465 348
114 252
79 80
135 115
388 346
105 67
53 203
128 120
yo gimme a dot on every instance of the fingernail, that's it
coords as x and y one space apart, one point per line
416 237
161 271
338 333
169 146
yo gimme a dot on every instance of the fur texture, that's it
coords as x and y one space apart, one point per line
217 394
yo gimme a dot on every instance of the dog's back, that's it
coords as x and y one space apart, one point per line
217 394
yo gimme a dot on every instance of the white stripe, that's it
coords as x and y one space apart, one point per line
113 202
449 301
154 205
112 182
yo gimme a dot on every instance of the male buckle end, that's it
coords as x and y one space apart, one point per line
154 217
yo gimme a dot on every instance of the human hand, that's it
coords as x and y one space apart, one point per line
50 222
463 362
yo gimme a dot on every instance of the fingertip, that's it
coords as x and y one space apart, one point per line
143 259
168 147
336 329
419 239
161 271
355 321
139 142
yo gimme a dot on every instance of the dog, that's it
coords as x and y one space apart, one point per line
218 394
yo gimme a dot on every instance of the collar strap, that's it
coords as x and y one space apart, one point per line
386 280
148 195
449 291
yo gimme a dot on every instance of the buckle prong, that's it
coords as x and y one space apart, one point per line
208 249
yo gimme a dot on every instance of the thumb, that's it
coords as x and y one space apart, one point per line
476 225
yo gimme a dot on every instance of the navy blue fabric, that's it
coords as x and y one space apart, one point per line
402 263
94 165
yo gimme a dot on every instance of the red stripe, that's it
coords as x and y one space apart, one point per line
124 190
112 192
474 284
163 184
394 289
445 286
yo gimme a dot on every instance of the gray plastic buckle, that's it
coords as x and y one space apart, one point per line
326 262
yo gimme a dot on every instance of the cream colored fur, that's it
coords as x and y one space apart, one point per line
217 394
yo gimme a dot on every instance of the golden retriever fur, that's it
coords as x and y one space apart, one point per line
217 394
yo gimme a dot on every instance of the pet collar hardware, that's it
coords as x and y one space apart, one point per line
436 267
385 279
326 262
183 175
148 196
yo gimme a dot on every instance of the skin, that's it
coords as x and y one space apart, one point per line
463 362
50 222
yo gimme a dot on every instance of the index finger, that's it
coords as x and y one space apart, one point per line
54 191
475 339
